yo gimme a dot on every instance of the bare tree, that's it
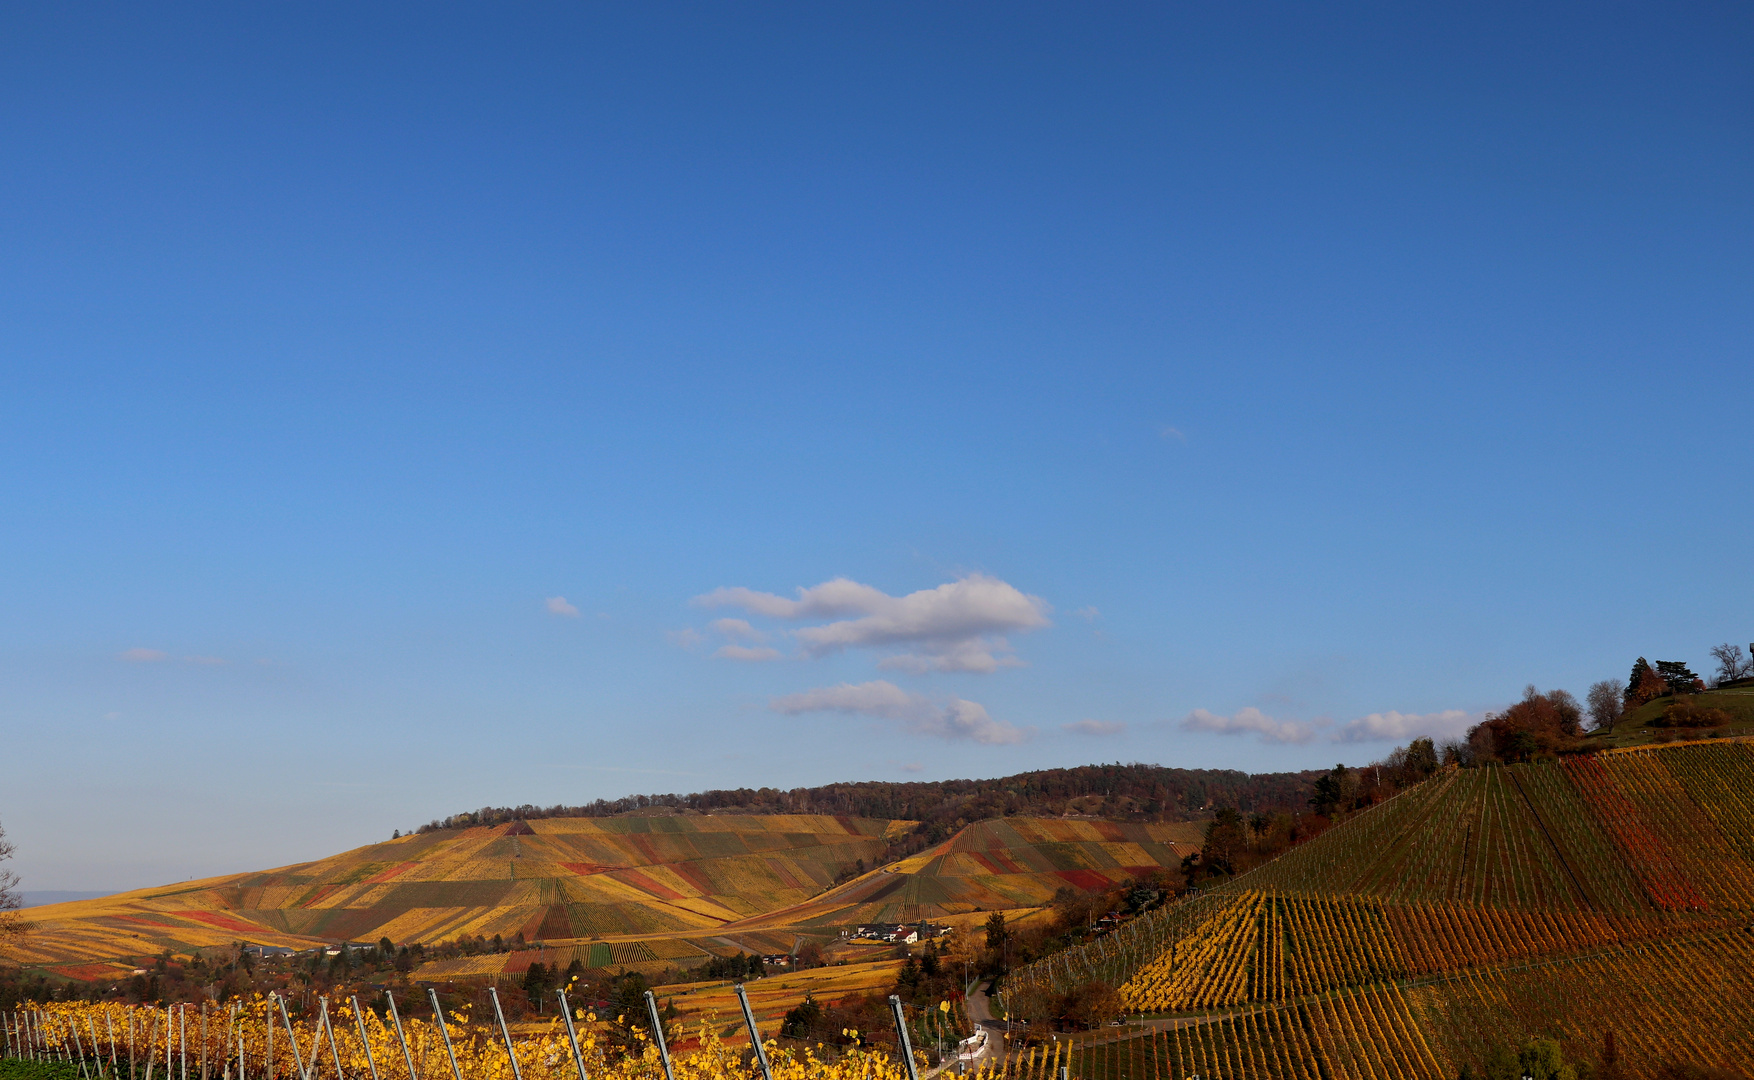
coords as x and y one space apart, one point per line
12 924
1731 663
1606 703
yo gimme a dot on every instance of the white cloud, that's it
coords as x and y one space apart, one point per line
1250 720
557 605
143 656
1088 613
1167 432
954 719
958 626
738 630
1095 727
838 597
755 653
1398 727
977 655
686 638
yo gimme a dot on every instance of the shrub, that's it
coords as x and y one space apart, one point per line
1686 712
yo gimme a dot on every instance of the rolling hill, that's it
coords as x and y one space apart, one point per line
1612 893
1002 864
639 891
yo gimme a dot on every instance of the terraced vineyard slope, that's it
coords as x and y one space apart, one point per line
555 880
1611 893
638 892
999 865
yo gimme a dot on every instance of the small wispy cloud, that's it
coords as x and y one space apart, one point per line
1390 726
1088 613
206 660
747 653
1395 726
143 656
957 626
1248 721
738 630
1095 727
984 656
686 638
1167 432
557 605
954 719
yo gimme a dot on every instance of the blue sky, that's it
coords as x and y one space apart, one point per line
387 393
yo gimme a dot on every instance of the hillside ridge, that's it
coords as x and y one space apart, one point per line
1635 867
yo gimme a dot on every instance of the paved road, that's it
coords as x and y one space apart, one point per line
980 1011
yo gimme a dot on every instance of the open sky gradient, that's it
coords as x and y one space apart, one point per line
408 409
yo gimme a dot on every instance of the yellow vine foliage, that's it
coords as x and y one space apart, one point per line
238 1046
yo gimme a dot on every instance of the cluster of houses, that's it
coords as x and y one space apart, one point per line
263 952
899 933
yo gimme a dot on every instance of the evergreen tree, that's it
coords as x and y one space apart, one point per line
800 1020
537 979
1644 685
996 932
1678 678
1334 791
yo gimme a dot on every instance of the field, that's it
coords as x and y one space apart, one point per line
716 1002
1002 865
644 893
1607 894
561 880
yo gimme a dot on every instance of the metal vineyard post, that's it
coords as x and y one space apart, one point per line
329 1030
907 1044
359 1019
298 1060
754 1033
658 1034
572 1036
511 1052
397 1020
438 1014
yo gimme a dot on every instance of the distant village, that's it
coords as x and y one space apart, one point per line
896 933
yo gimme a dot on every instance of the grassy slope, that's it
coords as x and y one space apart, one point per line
1483 906
1634 729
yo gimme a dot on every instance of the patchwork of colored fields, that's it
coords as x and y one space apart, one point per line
769 998
561 880
1003 864
644 893
1483 907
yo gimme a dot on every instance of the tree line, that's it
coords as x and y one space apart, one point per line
1124 792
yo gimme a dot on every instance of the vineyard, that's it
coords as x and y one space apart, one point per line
560 880
1003 864
261 1040
1609 893
644 893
